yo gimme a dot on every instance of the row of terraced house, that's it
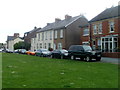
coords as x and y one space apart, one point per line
101 33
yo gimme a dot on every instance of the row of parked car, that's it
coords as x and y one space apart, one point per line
82 52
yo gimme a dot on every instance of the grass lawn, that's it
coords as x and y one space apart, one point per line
23 71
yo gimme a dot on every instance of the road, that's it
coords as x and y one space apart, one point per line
110 60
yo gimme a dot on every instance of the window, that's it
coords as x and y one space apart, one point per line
54 46
45 35
59 46
95 29
86 32
50 35
85 43
42 36
39 37
111 26
61 33
49 45
109 44
40 45
99 44
55 34
100 28
45 46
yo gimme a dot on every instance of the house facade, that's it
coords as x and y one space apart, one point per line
105 32
68 33
60 34
85 34
30 34
11 40
43 39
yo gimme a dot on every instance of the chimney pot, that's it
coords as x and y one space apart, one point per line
57 19
68 16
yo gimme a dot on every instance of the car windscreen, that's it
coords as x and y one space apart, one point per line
76 48
63 51
44 50
87 48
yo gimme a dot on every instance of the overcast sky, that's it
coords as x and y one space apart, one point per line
19 16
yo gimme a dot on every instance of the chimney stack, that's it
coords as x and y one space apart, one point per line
35 27
68 17
16 35
57 19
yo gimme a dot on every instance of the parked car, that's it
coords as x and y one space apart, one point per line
42 53
1 50
8 51
59 54
84 52
23 51
30 52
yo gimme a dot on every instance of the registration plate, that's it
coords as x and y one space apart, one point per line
99 55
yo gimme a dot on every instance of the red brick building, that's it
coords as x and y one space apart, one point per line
105 32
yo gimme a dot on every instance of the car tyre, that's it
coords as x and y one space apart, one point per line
72 57
51 56
61 57
88 59
98 59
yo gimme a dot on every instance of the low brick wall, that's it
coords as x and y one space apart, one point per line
111 54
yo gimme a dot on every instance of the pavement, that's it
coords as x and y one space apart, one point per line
110 60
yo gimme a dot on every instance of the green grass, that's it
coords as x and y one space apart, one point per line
23 71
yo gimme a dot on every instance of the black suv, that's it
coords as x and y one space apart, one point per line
84 52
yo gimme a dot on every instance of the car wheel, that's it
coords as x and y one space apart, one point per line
98 59
51 56
72 57
88 59
61 57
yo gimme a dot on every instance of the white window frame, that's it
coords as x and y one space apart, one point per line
61 33
50 35
55 34
85 30
100 28
111 23
94 29
45 35
86 43
59 45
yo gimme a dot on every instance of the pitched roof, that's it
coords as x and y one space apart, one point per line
9 38
108 13
62 24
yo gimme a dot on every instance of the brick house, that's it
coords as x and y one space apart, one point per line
67 32
105 32
61 33
85 33
11 40
30 34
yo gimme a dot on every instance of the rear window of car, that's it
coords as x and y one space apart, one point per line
76 48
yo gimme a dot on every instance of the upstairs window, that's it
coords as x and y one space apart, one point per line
95 29
111 24
100 28
55 34
42 36
86 32
50 35
61 33
45 35
39 37
59 45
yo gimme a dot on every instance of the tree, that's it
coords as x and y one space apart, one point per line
22 45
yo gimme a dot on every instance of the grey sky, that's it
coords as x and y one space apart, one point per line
19 16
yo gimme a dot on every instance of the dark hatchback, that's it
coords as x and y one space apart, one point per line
62 54
84 52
